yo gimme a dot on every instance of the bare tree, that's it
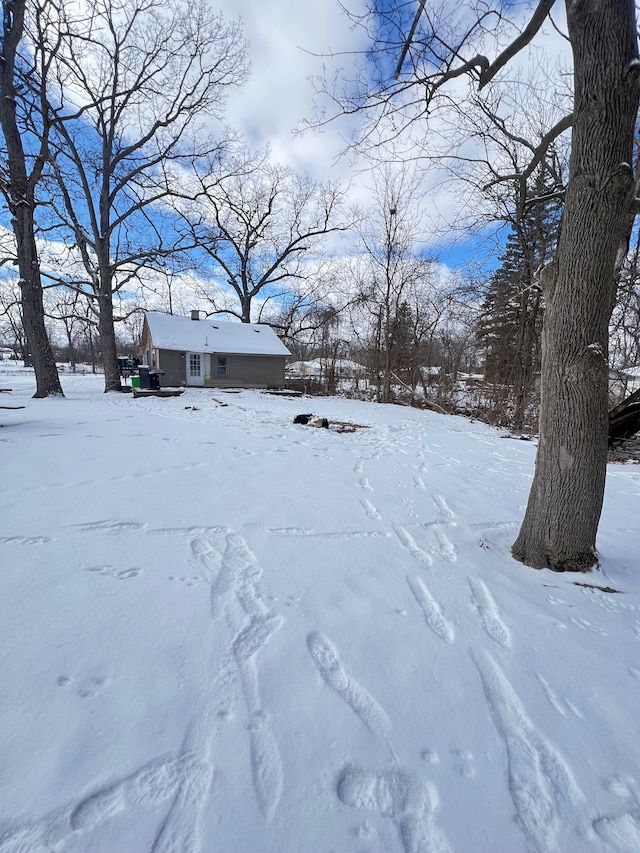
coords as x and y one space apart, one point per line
625 321
560 524
262 228
141 87
21 171
11 327
390 267
69 309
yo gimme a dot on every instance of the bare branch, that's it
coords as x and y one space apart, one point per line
525 37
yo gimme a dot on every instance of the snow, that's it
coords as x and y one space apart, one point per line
169 331
225 632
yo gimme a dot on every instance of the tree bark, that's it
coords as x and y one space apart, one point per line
112 381
245 304
20 194
561 520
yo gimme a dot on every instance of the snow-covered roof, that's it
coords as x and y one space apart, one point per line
181 333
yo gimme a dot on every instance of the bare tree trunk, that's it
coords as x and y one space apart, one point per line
72 351
561 520
46 371
245 303
108 343
20 194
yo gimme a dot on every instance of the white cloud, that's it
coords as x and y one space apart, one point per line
287 40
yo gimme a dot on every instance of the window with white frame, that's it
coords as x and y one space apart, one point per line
195 364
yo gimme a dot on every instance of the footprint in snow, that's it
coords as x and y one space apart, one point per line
490 617
327 660
622 829
401 795
433 614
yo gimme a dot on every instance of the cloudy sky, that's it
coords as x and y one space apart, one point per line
287 40
290 40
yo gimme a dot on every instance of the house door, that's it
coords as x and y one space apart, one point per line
195 368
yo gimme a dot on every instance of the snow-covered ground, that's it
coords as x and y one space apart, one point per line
225 632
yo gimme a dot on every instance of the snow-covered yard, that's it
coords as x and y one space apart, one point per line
225 632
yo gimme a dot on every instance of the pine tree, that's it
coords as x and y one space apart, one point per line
510 324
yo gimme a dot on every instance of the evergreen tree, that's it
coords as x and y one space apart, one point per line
510 324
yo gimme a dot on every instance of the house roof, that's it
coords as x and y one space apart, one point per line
181 333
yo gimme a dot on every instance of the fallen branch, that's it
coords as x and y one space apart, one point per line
430 404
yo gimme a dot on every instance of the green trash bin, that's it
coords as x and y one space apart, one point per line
135 381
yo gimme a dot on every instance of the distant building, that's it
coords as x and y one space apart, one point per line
212 353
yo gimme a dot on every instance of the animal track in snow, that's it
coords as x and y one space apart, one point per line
552 599
433 615
292 531
494 525
25 540
561 705
187 581
189 531
410 507
418 482
464 763
87 687
110 526
401 795
348 535
335 535
327 660
489 614
541 784
114 572
370 510
414 549
587 626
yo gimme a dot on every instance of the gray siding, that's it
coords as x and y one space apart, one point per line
246 371
173 364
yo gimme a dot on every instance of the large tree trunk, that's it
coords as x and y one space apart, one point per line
46 371
561 520
21 199
108 345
